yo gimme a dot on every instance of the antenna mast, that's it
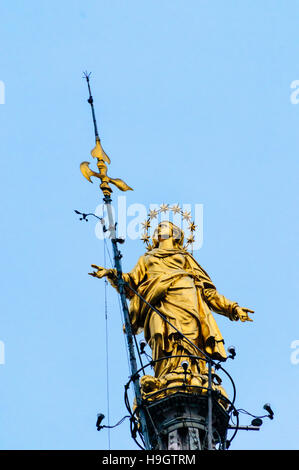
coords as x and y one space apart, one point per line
102 160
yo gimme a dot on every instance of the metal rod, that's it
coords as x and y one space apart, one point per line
245 428
90 101
210 408
129 333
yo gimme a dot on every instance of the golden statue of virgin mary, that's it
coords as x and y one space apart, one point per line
170 279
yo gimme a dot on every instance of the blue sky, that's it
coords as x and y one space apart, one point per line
193 104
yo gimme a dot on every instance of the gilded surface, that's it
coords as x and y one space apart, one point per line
170 279
102 160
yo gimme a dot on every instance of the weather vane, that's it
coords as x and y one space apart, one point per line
102 158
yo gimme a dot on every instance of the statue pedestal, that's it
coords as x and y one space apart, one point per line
179 422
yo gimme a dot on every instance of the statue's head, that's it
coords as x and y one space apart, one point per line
167 229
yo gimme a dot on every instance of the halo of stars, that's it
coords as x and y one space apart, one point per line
176 209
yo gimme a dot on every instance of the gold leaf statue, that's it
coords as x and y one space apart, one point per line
170 279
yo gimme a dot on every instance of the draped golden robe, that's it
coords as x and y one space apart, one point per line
174 283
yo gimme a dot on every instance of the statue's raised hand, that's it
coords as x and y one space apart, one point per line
100 272
242 313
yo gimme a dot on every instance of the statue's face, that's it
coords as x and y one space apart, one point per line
164 231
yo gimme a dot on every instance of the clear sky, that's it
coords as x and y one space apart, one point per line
193 103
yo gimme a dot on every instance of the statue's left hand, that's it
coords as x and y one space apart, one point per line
243 313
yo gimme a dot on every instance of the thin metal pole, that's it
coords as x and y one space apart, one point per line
107 353
90 101
120 283
129 333
210 408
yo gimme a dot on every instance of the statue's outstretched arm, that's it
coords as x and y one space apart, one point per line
220 304
111 275
133 278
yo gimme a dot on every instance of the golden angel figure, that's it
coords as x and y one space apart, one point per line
170 279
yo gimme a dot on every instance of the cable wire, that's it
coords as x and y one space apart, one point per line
107 352
119 304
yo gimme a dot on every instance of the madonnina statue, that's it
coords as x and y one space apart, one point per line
170 279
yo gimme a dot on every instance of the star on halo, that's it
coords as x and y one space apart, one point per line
153 213
192 227
146 224
164 207
176 209
190 239
186 215
145 237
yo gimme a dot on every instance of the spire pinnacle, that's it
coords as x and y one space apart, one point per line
101 156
